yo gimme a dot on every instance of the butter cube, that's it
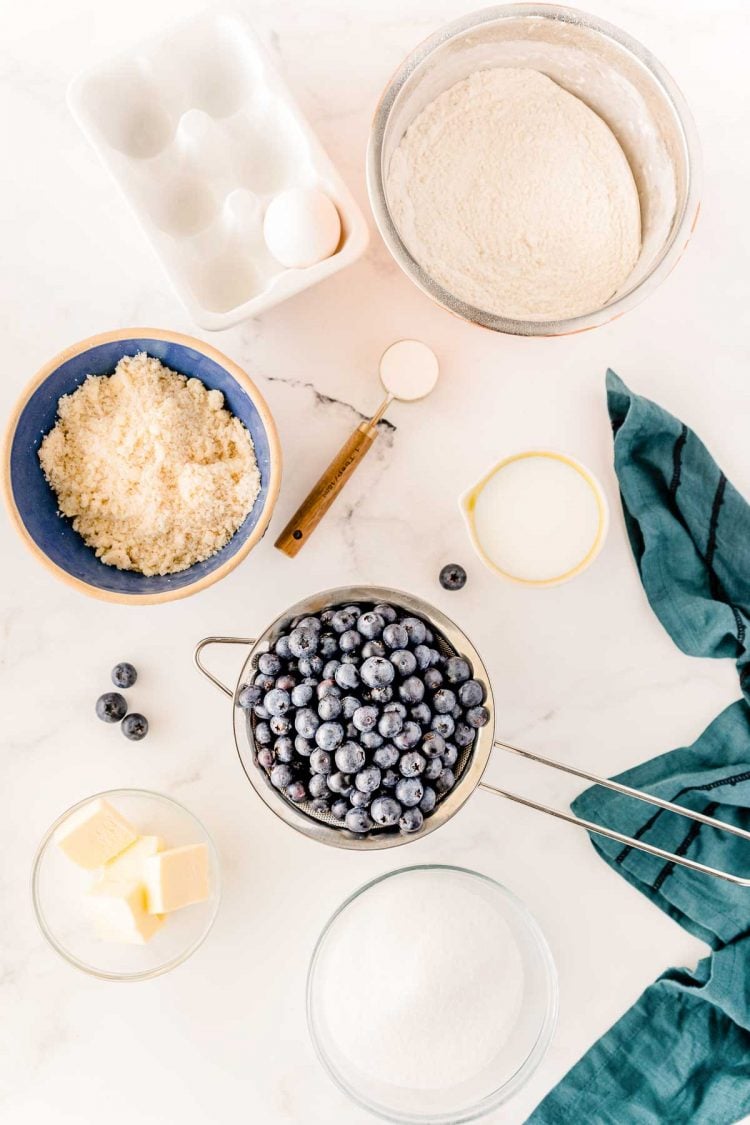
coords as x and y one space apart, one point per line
177 877
120 914
127 867
95 834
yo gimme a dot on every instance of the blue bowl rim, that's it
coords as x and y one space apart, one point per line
235 372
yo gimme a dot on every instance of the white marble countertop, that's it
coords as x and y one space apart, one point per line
583 671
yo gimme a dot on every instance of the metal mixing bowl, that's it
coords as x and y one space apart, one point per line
614 75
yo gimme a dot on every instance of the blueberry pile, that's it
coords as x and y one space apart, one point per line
355 710
112 707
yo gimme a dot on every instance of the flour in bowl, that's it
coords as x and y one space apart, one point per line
516 197
155 473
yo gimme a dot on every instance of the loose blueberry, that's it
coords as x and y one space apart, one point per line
124 675
350 758
281 776
327 687
368 779
310 666
471 693
385 811
269 664
452 577
412 764
409 791
377 671
358 820
411 820
249 695
135 726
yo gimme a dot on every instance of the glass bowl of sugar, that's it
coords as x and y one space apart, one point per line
432 995
534 169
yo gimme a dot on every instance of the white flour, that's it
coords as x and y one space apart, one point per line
516 197
422 990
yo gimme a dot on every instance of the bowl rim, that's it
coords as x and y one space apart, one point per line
76 962
235 372
683 223
539 1048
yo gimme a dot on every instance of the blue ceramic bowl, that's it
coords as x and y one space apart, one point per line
33 505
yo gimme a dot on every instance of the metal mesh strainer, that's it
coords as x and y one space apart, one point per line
471 762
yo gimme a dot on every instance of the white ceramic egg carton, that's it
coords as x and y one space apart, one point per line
200 132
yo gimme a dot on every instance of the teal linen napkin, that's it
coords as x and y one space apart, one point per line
682 1053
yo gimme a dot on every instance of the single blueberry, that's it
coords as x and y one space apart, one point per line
269 664
390 779
249 695
281 648
283 749
412 690
265 683
318 785
310 665
330 668
309 623
390 723
260 712
423 657
433 678
347 677
411 820
433 769
329 707
328 645
350 758
387 612
265 759
329 735
433 744
404 661
377 672
262 734
386 756
327 687
296 792
445 781
444 701
428 802
416 630
412 764
281 776
338 782
373 648
124 675
385 811
477 717
277 702
350 704
471 693
326 616
339 809
409 791
421 714
350 641
303 642
358 820
320 761
371 625
452 577
303 746
365 718
301 695
286 683
368 779
306 722
135 726
408 737
457 669
399 709
450 755
464 735
444 725
395 636
381 694
344 619
359 800
371 740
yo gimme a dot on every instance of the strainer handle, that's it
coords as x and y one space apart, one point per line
611 833
217 641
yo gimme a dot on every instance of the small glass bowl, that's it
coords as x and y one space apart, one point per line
517 1057
58 887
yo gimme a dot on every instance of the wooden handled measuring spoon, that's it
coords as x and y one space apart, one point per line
408 371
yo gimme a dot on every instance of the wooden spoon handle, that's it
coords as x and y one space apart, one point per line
322 495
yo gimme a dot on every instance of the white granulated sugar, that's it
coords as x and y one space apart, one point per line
516 197
152 469
421 988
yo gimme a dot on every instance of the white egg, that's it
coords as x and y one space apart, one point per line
301 227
